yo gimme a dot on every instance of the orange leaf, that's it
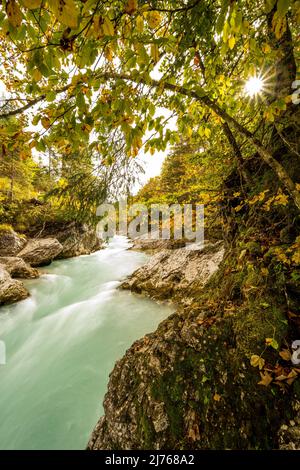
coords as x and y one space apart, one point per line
292 376
285 355
217 397
266 379
131 6
280 378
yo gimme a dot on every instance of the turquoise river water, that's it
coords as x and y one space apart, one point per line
61 344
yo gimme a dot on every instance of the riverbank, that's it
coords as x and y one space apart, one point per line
21 254
62 343
192 384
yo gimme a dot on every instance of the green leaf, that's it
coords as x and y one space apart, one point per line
221 17
283 6
269 5
80 101
40 145
66 12
50 96
32 4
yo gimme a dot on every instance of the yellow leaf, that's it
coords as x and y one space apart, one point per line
155 52
36 75
279 25
266 379
108 54
281 200
98 27
288 99
46 122
108 27
153 19
32 4
280 255
217 397
285 355
264 271
266 48
207 132
139 24
66 12
257 361
296 257
131 7
271 341
281 378
231 42
127 29
14 13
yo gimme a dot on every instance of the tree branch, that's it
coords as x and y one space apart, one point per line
31 103
264 153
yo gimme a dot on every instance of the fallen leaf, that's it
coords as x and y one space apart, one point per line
280 378
292 376
194 433
266 379
285 355
257 361
292 315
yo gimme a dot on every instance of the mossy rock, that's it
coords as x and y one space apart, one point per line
190 386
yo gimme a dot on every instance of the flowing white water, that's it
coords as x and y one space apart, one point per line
61 344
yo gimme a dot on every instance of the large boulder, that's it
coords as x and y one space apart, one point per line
190 386
153 245
11 290
10 242
78 240
41 252
18 268
177 273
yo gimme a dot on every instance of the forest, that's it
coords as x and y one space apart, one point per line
89 90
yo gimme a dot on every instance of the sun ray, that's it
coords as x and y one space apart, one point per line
254 85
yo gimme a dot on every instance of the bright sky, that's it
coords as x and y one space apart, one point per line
2 88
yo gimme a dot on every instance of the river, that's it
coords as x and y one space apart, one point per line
61 344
